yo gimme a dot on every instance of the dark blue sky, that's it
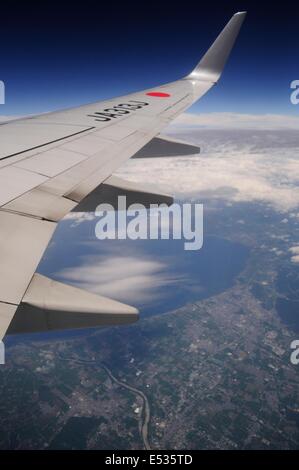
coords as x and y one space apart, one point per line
55 55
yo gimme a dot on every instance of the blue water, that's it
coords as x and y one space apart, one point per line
190 275
186 275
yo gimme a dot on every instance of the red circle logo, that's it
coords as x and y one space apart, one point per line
158 94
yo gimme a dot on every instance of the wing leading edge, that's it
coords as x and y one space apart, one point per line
51 163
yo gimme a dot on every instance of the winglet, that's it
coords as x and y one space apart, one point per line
212 64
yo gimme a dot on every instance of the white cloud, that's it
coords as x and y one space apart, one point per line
79 217
129 279
295 251
252 159
249 158
237 121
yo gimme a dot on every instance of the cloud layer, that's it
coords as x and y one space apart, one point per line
125 278
251 159
236 121
243 158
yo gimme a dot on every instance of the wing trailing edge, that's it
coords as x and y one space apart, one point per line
51 305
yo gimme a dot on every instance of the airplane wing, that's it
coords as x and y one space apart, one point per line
51 163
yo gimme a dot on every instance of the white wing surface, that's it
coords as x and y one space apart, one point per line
52 162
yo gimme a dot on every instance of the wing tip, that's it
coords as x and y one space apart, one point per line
213 62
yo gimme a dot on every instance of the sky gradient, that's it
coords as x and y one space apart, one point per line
55 56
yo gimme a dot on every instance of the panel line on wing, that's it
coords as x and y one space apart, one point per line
47 143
